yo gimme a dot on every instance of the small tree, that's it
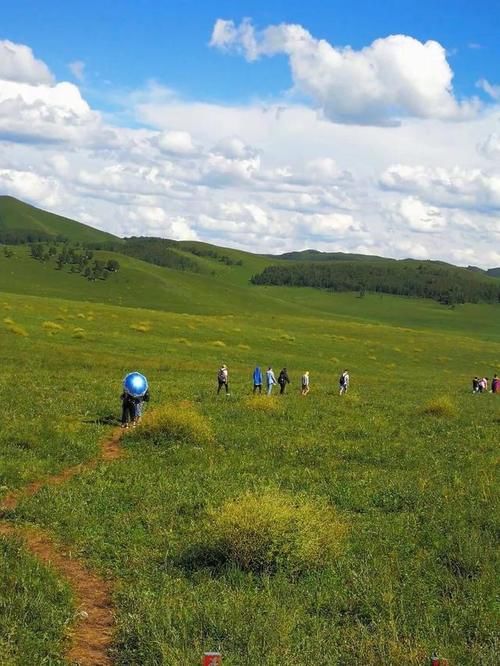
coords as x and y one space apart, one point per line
112 266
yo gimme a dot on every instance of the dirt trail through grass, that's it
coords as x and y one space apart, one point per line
92 633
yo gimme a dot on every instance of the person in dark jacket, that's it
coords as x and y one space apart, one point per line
128 409
495 384
283 380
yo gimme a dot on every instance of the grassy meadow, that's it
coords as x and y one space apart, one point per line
317 529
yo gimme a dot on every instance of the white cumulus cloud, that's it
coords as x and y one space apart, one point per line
393 77
17 63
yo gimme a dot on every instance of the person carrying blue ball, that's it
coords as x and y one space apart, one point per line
135 393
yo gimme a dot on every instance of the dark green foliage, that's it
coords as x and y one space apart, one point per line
158 251
442 282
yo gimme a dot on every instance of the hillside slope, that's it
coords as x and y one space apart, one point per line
20 222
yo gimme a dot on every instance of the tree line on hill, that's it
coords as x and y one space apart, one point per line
78 258
28 236
164 252
442 282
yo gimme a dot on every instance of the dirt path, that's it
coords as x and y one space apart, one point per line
92 633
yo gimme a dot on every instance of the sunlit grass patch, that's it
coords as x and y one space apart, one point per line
218 343
287 338
79 333
244 347
272 530
141 327
263 403
175 423
183 341
441 406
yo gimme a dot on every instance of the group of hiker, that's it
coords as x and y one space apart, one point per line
268 379
480 384
136 390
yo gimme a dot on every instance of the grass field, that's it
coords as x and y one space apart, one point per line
331 530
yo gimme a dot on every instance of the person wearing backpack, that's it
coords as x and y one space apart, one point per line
344 382
270 380
257 380
283 380
223 379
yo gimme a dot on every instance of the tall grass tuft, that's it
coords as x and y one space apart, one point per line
12 327
175 423
141 327
441 406
270 531
52 327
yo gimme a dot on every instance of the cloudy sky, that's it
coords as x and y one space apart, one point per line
360 127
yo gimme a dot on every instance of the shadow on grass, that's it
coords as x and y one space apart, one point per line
108 419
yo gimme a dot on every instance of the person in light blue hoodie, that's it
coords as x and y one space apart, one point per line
257 380
270 380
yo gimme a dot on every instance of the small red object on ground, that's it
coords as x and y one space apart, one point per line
211 659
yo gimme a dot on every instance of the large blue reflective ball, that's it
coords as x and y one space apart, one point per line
135 384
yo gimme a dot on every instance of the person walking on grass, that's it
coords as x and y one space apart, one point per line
223 379
344 382
305 383
475 385
257 380
139 406
270 380
495 384
283 380
128 410
483 385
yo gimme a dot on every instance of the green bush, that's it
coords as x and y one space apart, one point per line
442 406
264 532
176 423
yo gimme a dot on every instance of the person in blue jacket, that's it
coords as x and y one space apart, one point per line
257 380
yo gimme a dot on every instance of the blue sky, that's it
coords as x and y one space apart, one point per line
369 127
130 41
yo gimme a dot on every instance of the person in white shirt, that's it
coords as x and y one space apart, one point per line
305 383
344 382
270 380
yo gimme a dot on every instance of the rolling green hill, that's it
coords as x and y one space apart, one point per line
398 475
20 223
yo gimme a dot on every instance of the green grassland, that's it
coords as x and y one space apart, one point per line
400 473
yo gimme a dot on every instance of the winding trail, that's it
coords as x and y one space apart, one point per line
91 635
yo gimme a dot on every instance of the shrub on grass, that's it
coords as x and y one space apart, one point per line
12 327
141 327
52 327
176 423
442 406
264 532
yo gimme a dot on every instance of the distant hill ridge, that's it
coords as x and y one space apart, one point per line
22 223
